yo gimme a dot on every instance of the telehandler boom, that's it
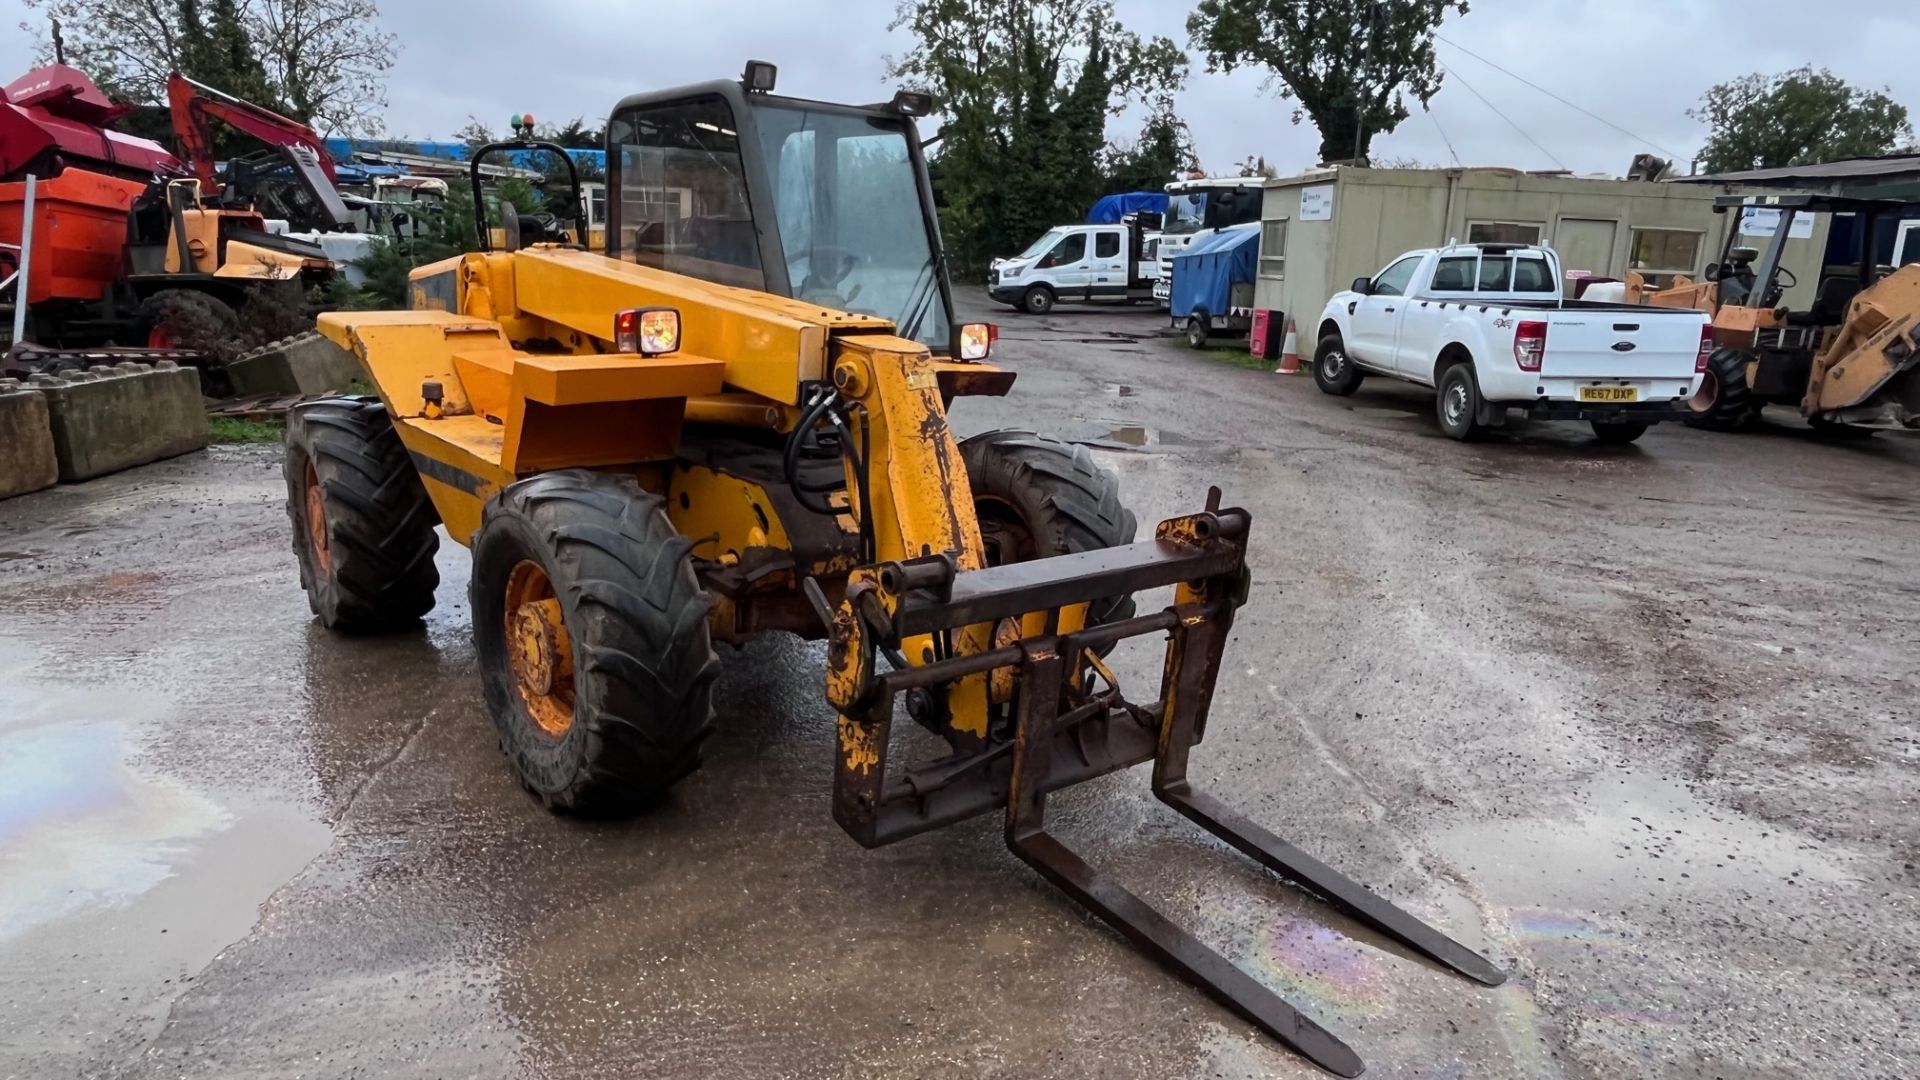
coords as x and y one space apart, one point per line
734 421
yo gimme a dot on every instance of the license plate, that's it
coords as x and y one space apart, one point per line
1609 393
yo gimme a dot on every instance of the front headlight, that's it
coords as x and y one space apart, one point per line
1008 273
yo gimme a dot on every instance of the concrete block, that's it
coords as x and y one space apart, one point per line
306 364
27 460
106 419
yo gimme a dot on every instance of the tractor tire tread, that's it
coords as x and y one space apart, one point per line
1083 499
1733 408
638 619
380 523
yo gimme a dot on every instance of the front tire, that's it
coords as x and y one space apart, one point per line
1457 403
363 527
591 633
1333 371
1037 496
1725 401
1197 332
1618 432
1037 300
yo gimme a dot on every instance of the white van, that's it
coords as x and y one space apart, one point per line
1079 262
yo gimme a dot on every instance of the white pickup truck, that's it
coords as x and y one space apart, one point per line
1486 327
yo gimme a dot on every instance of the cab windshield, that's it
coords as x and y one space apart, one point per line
1041 246
852 225
1185 213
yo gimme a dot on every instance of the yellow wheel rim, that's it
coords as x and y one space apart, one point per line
539 649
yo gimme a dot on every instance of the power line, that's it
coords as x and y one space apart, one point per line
1443 135
1561 100
1504 116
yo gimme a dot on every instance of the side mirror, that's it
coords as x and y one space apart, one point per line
1363 286
1711 273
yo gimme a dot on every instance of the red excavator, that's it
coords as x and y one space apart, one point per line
109 239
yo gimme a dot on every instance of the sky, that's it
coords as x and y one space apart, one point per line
1638 64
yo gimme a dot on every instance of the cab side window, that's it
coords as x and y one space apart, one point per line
1393 281
1456 274
1106 245
1530 275
1070 250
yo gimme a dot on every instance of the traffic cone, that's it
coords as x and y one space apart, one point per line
1289 353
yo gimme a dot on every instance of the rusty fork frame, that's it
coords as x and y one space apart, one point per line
1061 732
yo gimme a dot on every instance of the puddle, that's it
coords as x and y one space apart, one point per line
1120 389
1139 435
14 556
82 829
78 830
1632 837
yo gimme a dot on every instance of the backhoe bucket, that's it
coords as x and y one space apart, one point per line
1065 721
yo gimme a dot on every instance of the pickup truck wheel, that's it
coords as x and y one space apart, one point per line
1037 300
1333 372
1458 403
1725 401
1618 432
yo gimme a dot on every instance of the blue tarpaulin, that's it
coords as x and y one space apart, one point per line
1111 208
1204 275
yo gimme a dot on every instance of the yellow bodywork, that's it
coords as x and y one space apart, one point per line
505 368
1874 345
239 259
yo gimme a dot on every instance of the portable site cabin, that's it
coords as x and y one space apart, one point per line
1323 228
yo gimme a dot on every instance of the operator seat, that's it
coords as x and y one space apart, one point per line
1830 303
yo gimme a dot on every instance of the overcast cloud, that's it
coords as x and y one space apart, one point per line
1637 63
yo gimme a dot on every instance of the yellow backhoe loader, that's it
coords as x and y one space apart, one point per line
1850 363
732 422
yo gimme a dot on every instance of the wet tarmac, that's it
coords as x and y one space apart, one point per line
1639 722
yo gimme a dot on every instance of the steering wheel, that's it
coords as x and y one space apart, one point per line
1784 273
827 267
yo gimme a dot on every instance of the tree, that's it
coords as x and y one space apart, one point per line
1798 117
1257 166
574 135
322 62
475 134
214 51
1027 87
1349 65
1162 153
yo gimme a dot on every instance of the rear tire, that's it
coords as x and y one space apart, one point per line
1037 496
1037 300
1725 401
363 527
599 668
1618 432
1334 372
196 322
1457 403
1197 332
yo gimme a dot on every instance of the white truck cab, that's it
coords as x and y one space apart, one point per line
1078 262
1197 209
1486 327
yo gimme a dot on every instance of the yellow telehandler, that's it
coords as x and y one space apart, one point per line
1850 362
733 421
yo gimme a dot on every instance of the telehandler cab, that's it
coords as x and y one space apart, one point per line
734 421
